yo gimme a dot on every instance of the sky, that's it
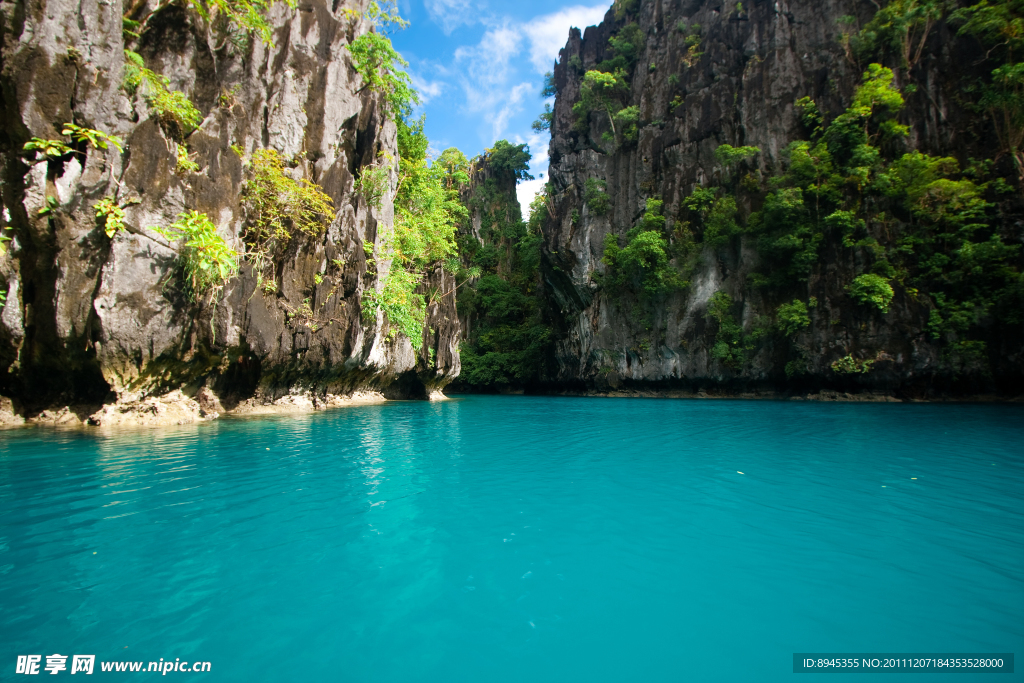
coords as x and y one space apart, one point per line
479 68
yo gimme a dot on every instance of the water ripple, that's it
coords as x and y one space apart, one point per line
603 540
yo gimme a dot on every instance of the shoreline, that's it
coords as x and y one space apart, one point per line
824 396
176 409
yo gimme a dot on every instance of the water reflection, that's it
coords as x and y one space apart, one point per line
493 538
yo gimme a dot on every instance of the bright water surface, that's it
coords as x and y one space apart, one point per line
519 539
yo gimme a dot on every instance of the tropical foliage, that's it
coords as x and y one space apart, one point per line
382 70
54 149
172 107
606 89
507 339
206 260
643 264
427 214
278 208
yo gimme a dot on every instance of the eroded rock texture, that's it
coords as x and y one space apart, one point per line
94 320
759 59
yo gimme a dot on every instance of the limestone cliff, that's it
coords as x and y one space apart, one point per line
710 73
506 345
91 319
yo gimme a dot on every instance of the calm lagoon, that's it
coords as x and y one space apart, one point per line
519 538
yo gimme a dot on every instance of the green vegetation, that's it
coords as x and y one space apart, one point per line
727 347
381 67
626 46
900 27
720 224
715 217
404 309
624 7
549 89
596 196
234 17
233 22
606 89
913 223
604 92
793 317
543 121
693 53
185 163
507 341
730 156
206 260
510 160
643 264
942 232
455 166
277 208
848 365
51 149
51 205
427 214
94 138
872 289
374 182
732 346
999 25
172 107
112 215
54 149
824 176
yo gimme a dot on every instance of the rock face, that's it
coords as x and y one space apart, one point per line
90 319
486 193
505 341
758 59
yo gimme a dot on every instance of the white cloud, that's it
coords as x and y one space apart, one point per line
526 191
428 90
450 14
496 75
547 34
538 143
513 105
488 66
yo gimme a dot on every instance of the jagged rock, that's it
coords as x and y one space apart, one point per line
172 408
104 319
9 418
209 402
65 416
757 62
305 402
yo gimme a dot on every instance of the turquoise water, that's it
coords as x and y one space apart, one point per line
519 539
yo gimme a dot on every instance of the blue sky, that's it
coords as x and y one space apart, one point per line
479 67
